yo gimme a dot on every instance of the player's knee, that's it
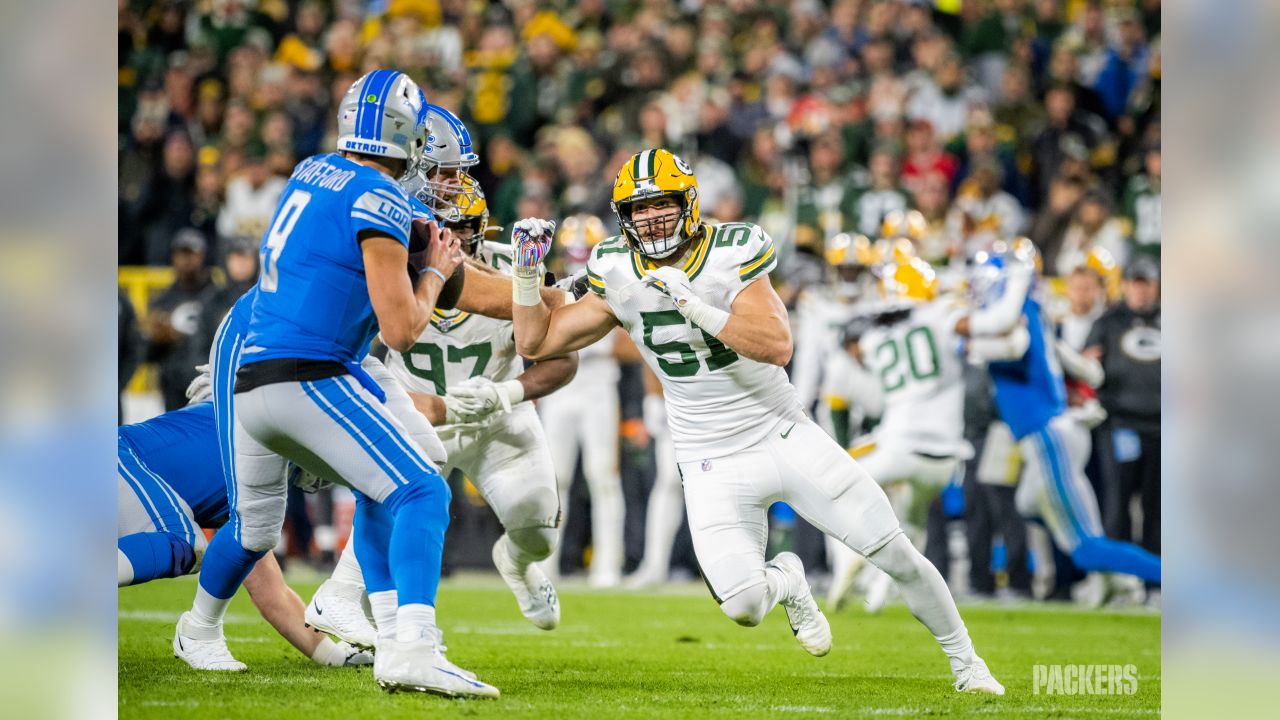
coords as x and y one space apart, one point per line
899 559
747 607
536 543
426 496
182 555
535 508
261 517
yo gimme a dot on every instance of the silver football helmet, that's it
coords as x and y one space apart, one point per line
384 114
440 183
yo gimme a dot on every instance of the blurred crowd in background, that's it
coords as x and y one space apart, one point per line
992 118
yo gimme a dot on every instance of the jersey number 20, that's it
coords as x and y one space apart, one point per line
286 218
921 353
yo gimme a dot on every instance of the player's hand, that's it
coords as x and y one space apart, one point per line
672 282
201 387
531 239
444 251
343 654
479 397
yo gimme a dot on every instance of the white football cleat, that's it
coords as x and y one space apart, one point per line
419 666
808 624
335 609
976 678
205 652
534 592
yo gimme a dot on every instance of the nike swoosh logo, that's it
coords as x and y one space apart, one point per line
181 647
319 610
788 432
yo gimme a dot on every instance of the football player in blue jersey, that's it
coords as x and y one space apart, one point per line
333 275
1010 331
169 486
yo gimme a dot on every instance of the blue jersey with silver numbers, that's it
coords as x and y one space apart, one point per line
312 296
1030 390
182 448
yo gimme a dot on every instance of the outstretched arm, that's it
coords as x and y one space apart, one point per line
283 609
488 292
543 332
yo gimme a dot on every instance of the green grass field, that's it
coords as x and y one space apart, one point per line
624 655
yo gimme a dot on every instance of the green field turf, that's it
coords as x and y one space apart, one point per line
624 655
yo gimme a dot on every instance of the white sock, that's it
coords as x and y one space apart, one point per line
781 585
206 616
926 594
413 621
124 569
384 605
348 568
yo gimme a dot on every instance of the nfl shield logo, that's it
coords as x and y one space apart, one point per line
445 324
706 466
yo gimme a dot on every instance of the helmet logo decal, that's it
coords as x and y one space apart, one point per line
681 165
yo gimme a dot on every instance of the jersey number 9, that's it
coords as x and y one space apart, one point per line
278 235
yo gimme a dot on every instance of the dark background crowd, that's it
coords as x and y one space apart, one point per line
993 118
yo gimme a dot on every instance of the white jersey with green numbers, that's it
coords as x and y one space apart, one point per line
457 346
919 366
718 402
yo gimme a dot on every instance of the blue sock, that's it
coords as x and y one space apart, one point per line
226 564
371 533
421 512
1103 554
156 555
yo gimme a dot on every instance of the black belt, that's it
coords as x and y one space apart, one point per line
270 372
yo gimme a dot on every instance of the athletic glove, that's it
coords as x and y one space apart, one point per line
201 387
340 654
479 398
672 282
530 240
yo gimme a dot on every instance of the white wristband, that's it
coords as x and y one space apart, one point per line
709 318
525 286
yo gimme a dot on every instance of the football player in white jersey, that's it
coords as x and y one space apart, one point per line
822 310
913 348
696 299
464 375
585 416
